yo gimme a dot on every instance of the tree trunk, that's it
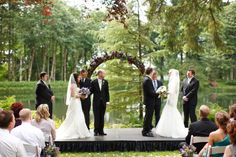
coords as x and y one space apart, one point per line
31 63
64 64
44 52
21 68
52 77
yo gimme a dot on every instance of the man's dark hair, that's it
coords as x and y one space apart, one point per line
6 118
148 71
192 71
83 71
42 74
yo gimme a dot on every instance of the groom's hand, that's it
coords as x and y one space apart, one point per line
107 103
185 98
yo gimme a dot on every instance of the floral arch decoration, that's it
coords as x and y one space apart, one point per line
96 61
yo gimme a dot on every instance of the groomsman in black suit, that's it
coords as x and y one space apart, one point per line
150 95
190 91
101 98
86 103
44 94
157 107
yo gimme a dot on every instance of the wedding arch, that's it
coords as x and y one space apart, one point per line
96 61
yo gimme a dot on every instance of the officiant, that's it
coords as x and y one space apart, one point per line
157 107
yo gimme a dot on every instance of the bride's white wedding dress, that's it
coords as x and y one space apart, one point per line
171 122
74 125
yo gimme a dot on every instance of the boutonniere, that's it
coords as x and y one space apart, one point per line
103 82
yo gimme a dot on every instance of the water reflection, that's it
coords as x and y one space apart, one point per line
124 109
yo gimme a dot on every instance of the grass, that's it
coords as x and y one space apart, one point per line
124 154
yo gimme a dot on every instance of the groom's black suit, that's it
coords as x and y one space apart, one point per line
100 98
86 103
190 91
44 95
150 98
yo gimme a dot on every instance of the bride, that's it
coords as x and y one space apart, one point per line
171 123
74 125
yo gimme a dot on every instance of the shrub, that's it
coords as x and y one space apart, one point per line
214 108
6 103
231 82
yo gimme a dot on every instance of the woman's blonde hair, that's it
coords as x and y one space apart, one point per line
42 112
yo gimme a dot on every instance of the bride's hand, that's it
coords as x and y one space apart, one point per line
82 97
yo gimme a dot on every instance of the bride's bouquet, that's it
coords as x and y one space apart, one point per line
84 91
162 91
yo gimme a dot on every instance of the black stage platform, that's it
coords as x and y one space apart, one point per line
124 139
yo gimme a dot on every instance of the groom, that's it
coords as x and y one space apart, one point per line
150 97
190 89
101 98
86 103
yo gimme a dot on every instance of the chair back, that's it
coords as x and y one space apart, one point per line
198 139
215 150
32 149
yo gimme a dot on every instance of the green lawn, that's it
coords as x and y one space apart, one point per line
124 154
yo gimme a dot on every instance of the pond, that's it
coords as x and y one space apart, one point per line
124 109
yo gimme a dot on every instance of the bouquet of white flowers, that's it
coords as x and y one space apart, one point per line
162 91
84 91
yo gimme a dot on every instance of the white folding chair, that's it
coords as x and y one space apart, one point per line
198 139
215 150
32 149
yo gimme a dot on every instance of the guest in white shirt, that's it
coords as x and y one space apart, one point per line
44 123
28 133
10 146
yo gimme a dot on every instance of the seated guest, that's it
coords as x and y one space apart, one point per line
10 146
203 127
218 137
16 108
44 123
231 149
232 112
28 133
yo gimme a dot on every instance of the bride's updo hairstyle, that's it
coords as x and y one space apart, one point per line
42 113
222 120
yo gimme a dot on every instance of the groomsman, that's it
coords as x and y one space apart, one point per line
190 94
44 94
150 95
86 103
101 98
157 107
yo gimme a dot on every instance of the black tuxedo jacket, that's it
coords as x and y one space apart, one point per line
149 93
100 95
200 128
86 84
43 94
190 90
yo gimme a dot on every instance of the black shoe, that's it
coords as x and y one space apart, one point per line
103 134
96 134
149 134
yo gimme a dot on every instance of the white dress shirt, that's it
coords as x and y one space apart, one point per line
29 134
100 83
47 127
189 80
10 146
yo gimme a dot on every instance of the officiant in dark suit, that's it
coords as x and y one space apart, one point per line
157 107
190 95
44 94
101 98
85 82
150 98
